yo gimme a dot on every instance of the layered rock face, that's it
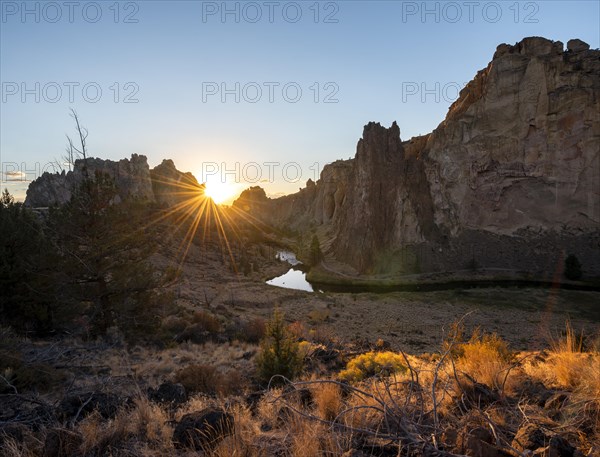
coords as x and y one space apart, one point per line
509 180
520 146
131 177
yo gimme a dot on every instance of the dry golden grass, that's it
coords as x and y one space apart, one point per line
269 408
328 400
305 437
567 362
245 434
145 429
150 421
486 358
195 403
154 367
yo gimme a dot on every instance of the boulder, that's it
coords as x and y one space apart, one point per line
169 393
577 45
530 437
201 430
76 407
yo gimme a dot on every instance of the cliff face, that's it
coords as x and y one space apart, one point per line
510 179
171 186
387 202
520 146
133 179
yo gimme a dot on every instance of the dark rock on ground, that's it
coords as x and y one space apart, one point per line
25 410
75 407
554 404
168 393
61 442
201 430
354 453
477 442
535 391
302 396
378 448
252 400
475 395
530 437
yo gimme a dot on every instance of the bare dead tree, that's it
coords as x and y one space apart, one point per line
73 152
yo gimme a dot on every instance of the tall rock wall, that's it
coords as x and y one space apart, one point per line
509 180
131 177
521 145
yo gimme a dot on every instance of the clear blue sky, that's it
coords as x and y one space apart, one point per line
372 55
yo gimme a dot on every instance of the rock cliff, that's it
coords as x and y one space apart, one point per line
133 178
172 186
509 180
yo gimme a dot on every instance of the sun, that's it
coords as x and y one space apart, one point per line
219 191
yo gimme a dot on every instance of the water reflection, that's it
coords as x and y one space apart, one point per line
288 256
293 279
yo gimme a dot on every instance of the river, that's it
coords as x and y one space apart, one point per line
294 278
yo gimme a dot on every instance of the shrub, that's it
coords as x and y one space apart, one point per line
315 254
319 315
373 364
253 331
328 400
572 268
209 380
199 378
486 358
279 353
250 331
568 361
298 330
206 321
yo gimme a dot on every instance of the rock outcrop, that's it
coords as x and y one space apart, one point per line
172 186
131 177
509 180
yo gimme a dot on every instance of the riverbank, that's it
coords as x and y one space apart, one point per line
325 278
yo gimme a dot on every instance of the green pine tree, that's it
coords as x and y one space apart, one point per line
572 268
315 253
104 249
279 352
27 300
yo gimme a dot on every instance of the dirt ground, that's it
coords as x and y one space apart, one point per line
528 318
